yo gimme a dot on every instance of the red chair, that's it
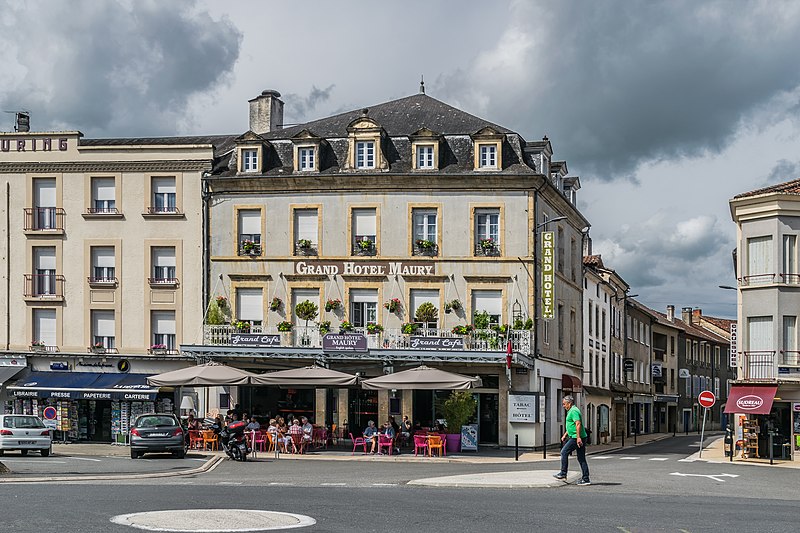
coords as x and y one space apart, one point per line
360 441
385 442
420 443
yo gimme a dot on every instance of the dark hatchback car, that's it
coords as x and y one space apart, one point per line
157 432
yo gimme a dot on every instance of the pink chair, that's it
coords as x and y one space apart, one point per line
260 441
420 443
358 441
385 442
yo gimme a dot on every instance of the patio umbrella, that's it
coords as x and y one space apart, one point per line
422 377
309 376
209 374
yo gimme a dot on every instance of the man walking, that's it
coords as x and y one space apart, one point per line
573 439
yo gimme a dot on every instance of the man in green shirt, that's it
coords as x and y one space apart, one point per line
573 440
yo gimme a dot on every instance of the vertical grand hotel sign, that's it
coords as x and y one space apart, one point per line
548 276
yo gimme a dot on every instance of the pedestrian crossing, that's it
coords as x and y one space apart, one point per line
636 458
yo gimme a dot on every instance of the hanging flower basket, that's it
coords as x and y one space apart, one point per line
392 305
222 302
275 304
373 328
345 326
284 326
333 304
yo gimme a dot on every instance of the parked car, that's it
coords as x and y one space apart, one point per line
157 432
24 432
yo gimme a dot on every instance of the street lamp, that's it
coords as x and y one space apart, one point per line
536 274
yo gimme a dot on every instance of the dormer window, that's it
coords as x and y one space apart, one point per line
249 160
307 159
425 149
488 156
365 154
307 150
425 156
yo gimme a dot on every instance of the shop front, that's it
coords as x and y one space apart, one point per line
766 420
665 413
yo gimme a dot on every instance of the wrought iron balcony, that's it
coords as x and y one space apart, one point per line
790 358
44 219
44 286
364 245
757 279
163 210
759 366
425 248
163 282
487 250
305 248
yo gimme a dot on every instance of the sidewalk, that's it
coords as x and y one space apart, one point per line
715 453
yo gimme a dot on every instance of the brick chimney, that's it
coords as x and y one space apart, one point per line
686 315
671 313
266 112
697 316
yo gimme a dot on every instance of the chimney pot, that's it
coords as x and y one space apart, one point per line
671 313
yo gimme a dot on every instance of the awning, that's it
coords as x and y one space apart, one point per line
207 375
310 376
84 386
10 366
422 378
570 383
750 399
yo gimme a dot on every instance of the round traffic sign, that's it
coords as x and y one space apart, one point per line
50 413
706 399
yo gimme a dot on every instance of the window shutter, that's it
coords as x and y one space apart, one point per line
45 257
164 185
249 304
103 189
306 224
103 323
364 295
420 296
103 257
759 251
44 192
364 222
163 322
44 326
250 222
489 301
164 256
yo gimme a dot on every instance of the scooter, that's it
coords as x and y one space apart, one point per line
233 440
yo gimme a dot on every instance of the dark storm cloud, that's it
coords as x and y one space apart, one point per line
300 106
614 84
783 171
115 68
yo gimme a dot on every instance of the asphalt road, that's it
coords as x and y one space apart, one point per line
62 464
633 491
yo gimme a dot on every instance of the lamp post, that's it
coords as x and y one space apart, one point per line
536 273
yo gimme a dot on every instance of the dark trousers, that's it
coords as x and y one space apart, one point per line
569 446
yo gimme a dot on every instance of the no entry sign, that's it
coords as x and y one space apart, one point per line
706 399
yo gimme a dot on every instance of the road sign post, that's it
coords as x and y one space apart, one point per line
706 399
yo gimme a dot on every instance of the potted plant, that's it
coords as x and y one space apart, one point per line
222 302
448 308
463 330
373 328
304 244
284 326
425 246
306 310
455 305
324 327
409 328
345 326
458 408
275 304
364 244
249 247
487 245
241 326
426 313
98 347
37 346
392 305
158 349
333 304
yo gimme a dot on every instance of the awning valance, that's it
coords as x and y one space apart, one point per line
570 383
752 399
84 386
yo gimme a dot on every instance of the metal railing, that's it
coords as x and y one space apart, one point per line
365 245
102 211
482 250
44 219
758 366
791 279
44 285
254 249
102 281
431 250
43 348
790 358
162 282
163 210
309 249
757 279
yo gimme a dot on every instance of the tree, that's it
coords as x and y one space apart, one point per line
426 312
306 310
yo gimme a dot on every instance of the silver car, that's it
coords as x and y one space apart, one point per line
24 432
157 432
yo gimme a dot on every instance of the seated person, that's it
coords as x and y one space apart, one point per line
405 429
192 424
296 430
253 425
388 431
371 434
308 430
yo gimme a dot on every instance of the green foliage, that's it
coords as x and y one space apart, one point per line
481 320
374 328
284 326
409 328
324 327
529 324
458 409
216 315
427 312
306 310
345 326
463 330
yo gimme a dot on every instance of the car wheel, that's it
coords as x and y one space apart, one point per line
46 452
179 455
134 454
2 452
24 452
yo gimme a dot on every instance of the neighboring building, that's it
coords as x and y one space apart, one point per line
598 298
410 200
767 390
666 393
638 325
101 241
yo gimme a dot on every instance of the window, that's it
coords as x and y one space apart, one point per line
364 228
250 305
603 371
365 154
759 260
790 274
790 354
590 315
44 326
307 159
573 259
573 330
250 160
759 330
103 260
560 250
44 204
489 302
488 156
163 330
425 232
603 332
306 228
103 196
487 232
45 275
164 195
103 329
425 156
560 326
249 231
363 307
421 296
163 265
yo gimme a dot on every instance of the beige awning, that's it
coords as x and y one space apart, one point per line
209 374
309 376
422 378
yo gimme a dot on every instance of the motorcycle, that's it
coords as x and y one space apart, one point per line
233 440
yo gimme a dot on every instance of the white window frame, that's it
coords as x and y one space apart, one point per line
365 154
487 155
425 157
250 159
306 158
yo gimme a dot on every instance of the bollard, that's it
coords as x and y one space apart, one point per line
516 447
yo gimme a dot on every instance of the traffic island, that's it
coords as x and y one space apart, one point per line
4 469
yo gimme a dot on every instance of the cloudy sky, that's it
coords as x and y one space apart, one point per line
664 109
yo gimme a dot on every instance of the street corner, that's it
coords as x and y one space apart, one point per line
499 480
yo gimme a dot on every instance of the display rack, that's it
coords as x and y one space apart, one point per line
750 430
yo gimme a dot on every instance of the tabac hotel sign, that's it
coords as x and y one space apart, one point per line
548 283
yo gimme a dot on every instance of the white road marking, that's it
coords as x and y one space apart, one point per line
629 458
280 484
229 482
84 459
603 457
659 458
715 477
685 460
333 484
384 484
12 460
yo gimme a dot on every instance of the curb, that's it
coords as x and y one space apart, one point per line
206 467
460 481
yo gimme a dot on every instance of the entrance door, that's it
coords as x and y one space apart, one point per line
687 419
488 409
362 407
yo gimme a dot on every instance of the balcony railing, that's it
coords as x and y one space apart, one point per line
102 211
791 279
757 279
44 286
306 249
428 248
759 366
43 348
163 282
790 358
250 249
44 219
485 250
310 337
163 210
101 350
364 245
102 282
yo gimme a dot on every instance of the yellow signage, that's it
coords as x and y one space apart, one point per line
548 276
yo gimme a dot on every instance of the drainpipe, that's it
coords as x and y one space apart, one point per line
8 266
206 195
